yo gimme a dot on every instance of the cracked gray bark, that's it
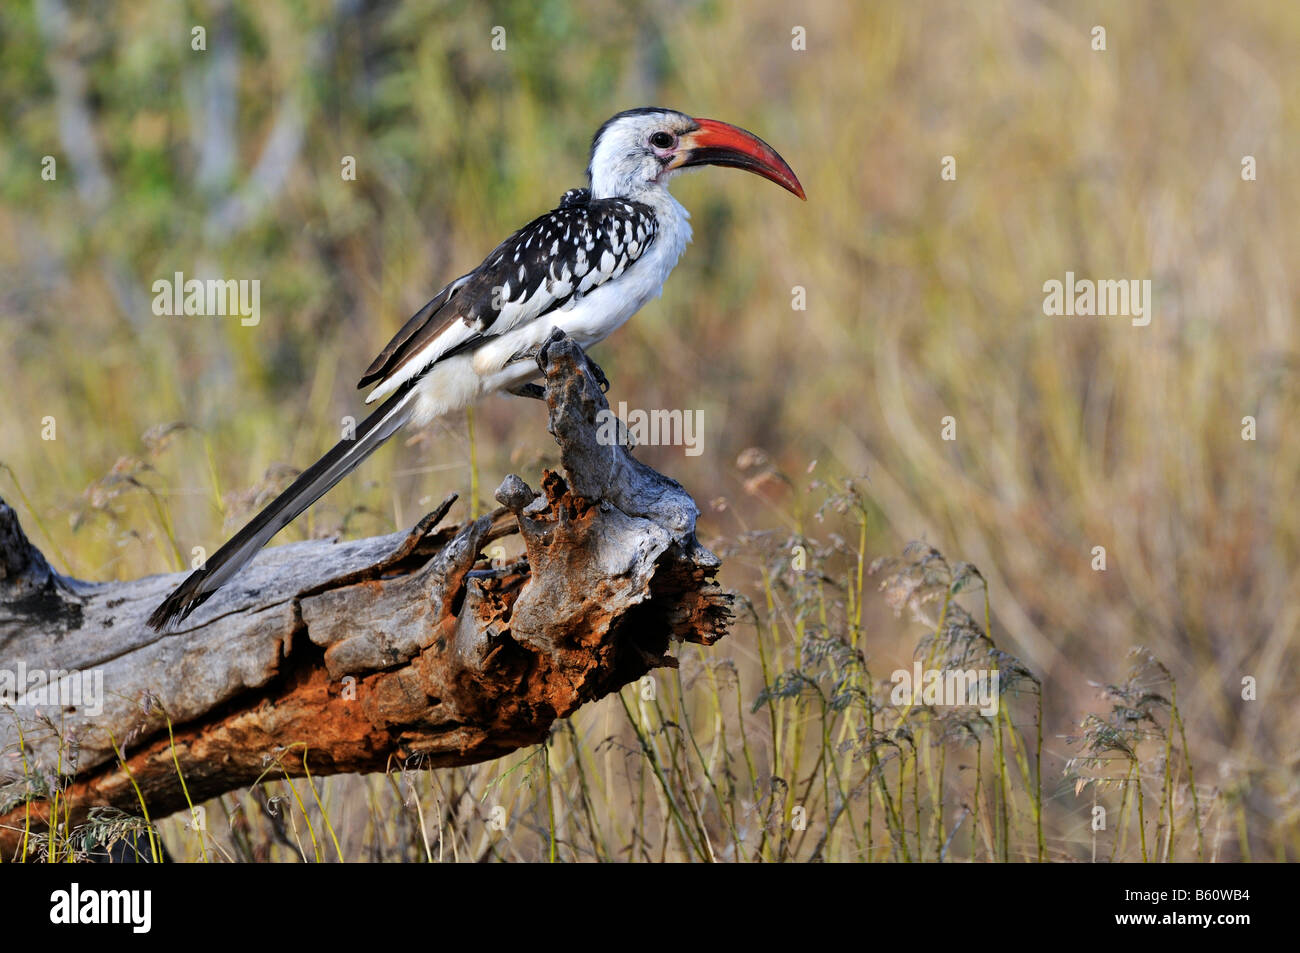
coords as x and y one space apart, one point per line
360 653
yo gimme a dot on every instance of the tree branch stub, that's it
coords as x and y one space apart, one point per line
410 647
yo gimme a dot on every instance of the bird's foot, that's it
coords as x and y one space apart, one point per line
545 347
601 380
592 367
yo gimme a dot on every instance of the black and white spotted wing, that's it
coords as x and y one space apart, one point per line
551 262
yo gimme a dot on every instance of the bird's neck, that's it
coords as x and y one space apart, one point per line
673 220
653 194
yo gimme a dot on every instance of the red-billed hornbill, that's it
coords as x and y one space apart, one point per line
584 269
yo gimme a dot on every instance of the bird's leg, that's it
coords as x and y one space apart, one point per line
535 391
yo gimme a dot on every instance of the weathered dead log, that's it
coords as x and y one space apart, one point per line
357 655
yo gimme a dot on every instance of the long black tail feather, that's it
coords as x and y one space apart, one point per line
311 485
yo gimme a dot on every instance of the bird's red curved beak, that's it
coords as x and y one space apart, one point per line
720 143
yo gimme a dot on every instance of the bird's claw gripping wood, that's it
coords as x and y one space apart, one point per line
543 350
370 650
599 375
594 369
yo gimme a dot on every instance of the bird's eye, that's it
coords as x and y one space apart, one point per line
662 140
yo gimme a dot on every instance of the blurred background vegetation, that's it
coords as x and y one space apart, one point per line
924 299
